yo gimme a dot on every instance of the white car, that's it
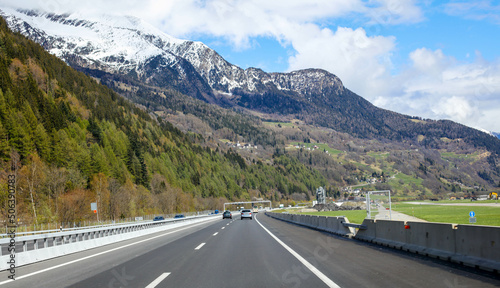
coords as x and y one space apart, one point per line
246 213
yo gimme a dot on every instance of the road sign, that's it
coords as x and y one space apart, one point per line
93 206
472 214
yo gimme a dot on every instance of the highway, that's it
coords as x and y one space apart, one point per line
263 252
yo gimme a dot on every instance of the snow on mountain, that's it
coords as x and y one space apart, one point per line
124 43
119 43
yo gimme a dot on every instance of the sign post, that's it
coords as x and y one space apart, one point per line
472 217
93 207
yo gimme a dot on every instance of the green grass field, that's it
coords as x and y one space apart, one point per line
462 202
452 155
451 214
321 146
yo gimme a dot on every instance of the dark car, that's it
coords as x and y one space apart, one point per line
179 216
227 214
158 218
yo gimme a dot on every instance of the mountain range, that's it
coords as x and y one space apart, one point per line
127 52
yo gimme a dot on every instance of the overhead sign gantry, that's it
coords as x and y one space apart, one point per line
249 202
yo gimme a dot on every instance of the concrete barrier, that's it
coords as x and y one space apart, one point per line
431 239
471 245
344 230
314 221
369 234
478 246
322 223
332 225
390 233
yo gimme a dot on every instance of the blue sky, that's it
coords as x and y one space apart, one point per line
433 59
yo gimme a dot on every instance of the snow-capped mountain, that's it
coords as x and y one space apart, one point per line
125 44
127 51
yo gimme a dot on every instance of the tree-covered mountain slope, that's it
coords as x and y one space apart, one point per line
73 141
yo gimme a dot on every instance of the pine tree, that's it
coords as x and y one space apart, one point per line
4 144
42 142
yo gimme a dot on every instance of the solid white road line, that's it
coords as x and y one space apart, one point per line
313 269
199 246
100 253
158 280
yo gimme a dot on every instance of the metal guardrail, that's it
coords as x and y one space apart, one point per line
167 216
70 229
72 235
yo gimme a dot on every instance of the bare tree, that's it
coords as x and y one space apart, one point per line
33 176
56 183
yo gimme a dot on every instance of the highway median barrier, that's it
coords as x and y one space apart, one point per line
478 246
323 223
470 245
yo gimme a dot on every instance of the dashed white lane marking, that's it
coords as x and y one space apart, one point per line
199 246
216 233
158 280
222 227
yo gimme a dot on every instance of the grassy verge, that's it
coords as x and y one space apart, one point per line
450 214
460 202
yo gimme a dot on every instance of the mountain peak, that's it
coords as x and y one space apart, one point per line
117 42
125 43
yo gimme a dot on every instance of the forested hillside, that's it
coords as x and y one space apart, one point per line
73 141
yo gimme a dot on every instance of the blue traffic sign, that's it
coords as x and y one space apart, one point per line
472 214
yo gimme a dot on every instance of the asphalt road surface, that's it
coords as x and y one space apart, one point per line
263 252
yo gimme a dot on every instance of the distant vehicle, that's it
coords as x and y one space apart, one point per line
246 213
493 196
227 214
255 209
179 216
281 205
158 218
216 212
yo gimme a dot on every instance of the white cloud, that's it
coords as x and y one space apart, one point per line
438 86
431 85
357 59
476 10
454 107
392 12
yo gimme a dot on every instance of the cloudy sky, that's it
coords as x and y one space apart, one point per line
433 59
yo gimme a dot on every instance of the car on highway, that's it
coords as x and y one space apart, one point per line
158 218
179 216
246 213
227 214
